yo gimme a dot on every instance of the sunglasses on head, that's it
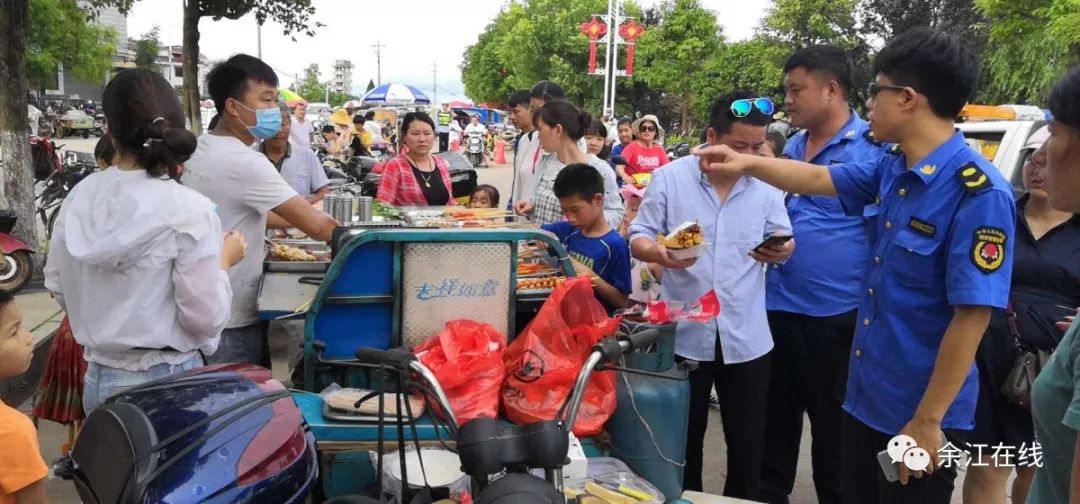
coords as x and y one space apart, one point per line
874 88
743 107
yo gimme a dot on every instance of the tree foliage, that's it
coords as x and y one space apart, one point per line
672 54
309 87
755 64
1032 44
61 34
147 48
801 23
884 19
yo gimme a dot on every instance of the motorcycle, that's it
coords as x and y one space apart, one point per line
16 265
58 184
474 148
99 124
678 150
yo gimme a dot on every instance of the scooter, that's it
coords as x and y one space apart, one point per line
474 148
16 265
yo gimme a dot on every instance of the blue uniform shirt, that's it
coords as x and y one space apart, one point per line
608 256
941 235
824 276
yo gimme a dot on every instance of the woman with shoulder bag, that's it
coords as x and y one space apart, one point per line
1046 277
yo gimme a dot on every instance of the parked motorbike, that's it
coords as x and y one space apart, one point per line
225 433
58 184
99 124
474 148
16 265
75 121
678 150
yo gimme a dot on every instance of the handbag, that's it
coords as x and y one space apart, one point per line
1027 364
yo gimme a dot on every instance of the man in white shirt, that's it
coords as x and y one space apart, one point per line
247 191
302 131
374 127
526 148
545 91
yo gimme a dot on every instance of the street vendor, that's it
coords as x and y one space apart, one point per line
735 214
417 177
248 192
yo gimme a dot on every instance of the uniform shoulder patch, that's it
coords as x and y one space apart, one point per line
988 249
869 136
894 149
973 178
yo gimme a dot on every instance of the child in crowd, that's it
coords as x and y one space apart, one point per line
596 139
484 196
644 277
22 471
596 250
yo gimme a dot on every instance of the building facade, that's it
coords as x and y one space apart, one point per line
342 81
66 85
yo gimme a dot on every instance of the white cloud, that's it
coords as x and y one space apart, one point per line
416 35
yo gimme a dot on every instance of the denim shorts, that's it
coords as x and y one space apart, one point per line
104 381
243 344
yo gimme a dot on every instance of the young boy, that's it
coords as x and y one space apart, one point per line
22 471
596 250
940 224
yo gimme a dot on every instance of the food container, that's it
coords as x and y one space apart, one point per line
684 253
345 209
365 208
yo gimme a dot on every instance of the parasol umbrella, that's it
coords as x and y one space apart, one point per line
59 394
289 96
353 104
395 94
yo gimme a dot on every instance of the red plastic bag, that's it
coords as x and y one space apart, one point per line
542 364
466 358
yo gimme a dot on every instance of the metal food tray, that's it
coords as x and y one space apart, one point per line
299 266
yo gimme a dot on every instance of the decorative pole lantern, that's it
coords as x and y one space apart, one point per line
630 31
594 29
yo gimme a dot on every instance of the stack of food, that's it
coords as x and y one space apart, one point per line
685 242
478 217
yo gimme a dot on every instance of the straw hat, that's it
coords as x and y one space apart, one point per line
341 118
636 126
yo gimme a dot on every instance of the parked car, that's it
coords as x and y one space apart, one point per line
1002 143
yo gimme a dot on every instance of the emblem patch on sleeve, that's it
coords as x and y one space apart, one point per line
973 178
988 252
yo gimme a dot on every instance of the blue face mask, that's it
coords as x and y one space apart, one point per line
267 122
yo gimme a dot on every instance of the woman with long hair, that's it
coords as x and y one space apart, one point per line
137 260
418 177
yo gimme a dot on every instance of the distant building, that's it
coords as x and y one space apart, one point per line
171 62
342 81
66 85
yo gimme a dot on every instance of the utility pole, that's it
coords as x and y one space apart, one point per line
378 60
259 38
434 82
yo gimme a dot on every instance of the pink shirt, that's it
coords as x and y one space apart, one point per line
641 159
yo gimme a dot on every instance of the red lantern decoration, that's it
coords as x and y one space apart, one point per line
630 31
594 29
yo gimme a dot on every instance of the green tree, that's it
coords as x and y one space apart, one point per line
1032 44
67 37
309 87
671 55
339 99
801 23
370 86
886 19
147 48
756 65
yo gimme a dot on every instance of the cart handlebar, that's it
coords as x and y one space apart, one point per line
398 358
608 350
403 360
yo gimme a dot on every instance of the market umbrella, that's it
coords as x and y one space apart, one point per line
353 104
395 94
59 394
289 96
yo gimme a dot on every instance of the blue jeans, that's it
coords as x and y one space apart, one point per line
243 344
104 381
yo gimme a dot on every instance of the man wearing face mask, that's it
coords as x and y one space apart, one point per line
248 191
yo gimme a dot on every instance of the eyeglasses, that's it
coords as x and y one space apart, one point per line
874 88
742 108
648 128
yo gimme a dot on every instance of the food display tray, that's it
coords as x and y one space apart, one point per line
299 266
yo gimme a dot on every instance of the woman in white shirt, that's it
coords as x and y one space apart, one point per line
137 260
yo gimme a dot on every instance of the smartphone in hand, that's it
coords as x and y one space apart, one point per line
773 241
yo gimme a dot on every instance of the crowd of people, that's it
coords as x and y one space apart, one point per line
876 275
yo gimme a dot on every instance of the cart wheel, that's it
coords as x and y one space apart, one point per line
86 133
15 270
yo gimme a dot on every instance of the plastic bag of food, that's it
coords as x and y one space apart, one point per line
466 358
542 364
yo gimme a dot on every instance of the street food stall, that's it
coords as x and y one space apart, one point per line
395 282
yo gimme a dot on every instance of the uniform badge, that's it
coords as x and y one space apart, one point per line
928 169
869 136
973 178
922 227
988 253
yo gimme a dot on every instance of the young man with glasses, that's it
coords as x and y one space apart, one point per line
940 224
735 213
812 298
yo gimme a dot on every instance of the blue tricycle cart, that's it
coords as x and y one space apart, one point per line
390 288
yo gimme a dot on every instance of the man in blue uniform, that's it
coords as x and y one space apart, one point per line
940 224
812 298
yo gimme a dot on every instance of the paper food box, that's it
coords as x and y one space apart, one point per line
685 241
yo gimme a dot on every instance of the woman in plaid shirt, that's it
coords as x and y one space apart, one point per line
417 177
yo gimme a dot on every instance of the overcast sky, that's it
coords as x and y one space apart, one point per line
416 33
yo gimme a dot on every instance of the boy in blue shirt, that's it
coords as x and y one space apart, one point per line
596 250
